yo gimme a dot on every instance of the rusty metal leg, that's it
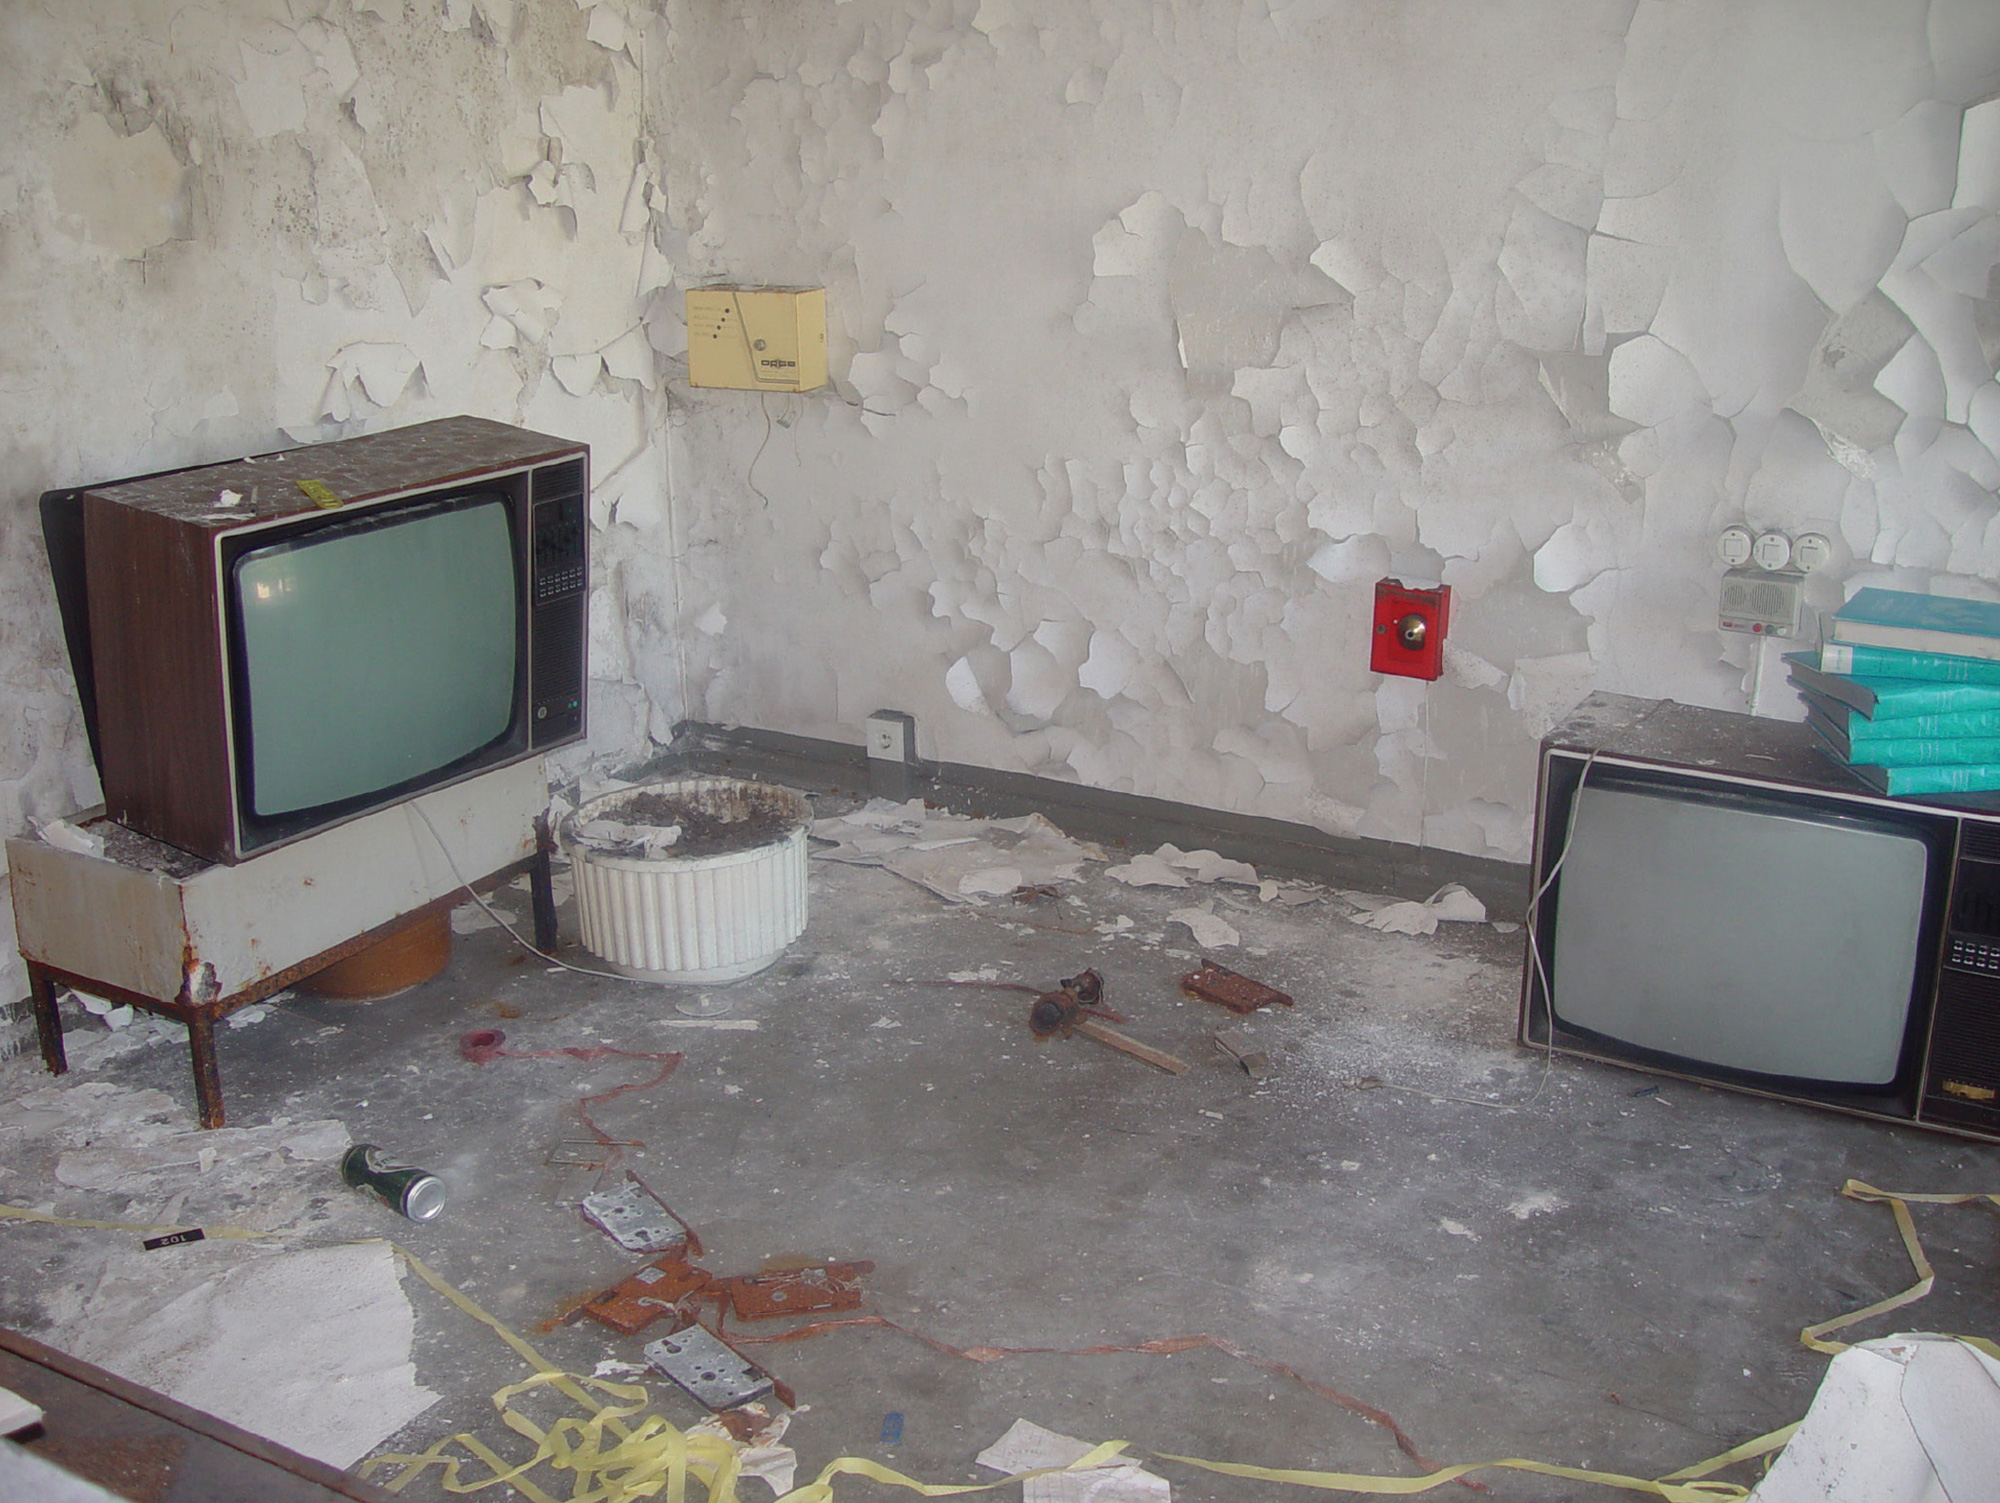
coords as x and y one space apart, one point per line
541 886
207 1079
48 1022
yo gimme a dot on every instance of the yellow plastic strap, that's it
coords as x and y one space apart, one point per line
1763 1445
1361 1482
820 1489
1899 1207
648 1458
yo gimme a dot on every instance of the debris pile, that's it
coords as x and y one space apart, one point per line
960 859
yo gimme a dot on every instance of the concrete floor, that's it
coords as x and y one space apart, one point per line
1570 1263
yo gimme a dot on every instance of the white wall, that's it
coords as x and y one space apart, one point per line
1163 330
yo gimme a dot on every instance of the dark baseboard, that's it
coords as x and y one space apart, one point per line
1122 821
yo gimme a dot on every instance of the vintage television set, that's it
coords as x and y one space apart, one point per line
269 646
1714 899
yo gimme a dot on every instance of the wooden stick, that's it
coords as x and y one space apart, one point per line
1090 1028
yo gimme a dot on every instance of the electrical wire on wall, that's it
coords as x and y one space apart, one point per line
1424 776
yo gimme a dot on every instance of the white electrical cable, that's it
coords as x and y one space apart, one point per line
1424 789
492 913
1533 915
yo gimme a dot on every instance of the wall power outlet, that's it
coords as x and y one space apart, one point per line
892 737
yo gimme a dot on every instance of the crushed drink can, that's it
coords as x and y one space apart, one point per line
415 1193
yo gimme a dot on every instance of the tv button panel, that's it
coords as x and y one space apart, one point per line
555 582
1973 955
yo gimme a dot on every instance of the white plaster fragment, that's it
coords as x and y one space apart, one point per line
1567 193
1839 224
129 191
271 84
1651 383
1351 561
1964 264
962 684
383 370
1210 931
1940 314
1469 670
1451 902
607 29
1147 871
1919 157
528 306
1979 158
1575 554
333 54
1914 381
577 373
1110 666
1543 690
990 881
1331 814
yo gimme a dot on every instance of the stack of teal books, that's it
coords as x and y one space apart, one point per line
1905 691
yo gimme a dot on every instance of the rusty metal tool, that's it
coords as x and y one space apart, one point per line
655 1290
795 1291
712 1371
1090 1028
1238 993
1073 1008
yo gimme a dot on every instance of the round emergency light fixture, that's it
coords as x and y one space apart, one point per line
1811 551
1772 550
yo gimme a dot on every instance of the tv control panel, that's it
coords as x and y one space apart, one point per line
559 609
1973 955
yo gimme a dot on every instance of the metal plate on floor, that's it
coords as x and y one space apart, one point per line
712 1372
634 1219
799 1291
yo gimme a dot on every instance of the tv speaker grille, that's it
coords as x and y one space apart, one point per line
1963 1082
555 480
559 634
1980 841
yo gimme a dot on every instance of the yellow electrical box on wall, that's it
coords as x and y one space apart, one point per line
757 338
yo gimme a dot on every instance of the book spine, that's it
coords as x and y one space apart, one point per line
1833 687
1876 661
1970 724
1970 779
1921 752
1897 698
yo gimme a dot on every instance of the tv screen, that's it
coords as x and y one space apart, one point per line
374 652
1739 934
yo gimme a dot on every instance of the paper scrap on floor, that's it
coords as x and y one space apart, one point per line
16 1413
470 918
961 860
758 1454
1906 1419
338 1381
1027 1447
1403 916
1170 866
1210 932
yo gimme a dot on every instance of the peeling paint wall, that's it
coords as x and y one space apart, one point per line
230 225
1162 330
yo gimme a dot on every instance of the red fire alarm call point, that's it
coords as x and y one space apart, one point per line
1410 624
